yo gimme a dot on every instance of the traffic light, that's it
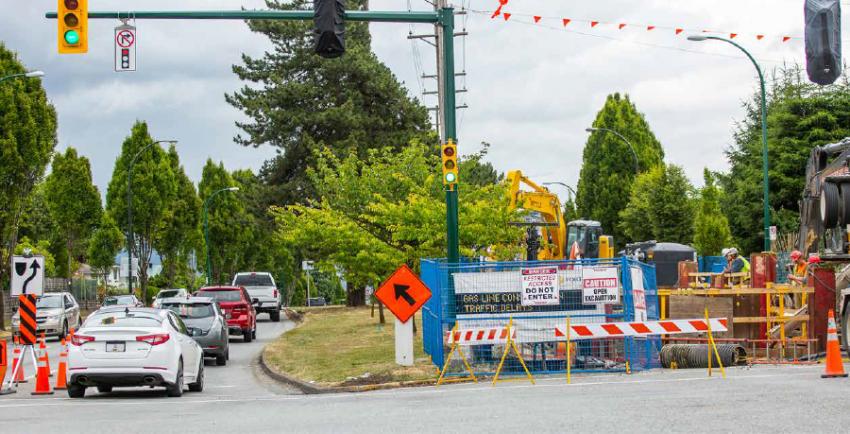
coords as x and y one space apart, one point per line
329 27
73 19
823 40
449 154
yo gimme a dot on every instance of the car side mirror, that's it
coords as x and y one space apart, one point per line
255 301
14 309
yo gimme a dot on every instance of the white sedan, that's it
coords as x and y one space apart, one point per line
134 346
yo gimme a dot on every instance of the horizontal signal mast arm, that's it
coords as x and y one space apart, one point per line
375 16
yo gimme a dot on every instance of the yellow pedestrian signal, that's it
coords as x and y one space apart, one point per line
73 25
449 154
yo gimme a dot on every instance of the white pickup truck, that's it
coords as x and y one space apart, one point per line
263 292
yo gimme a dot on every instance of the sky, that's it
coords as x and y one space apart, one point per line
531 88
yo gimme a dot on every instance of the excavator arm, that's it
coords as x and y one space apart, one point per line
544 202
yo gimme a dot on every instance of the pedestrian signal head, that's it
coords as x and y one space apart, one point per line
448 153
72 31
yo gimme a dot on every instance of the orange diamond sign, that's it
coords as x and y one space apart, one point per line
403 293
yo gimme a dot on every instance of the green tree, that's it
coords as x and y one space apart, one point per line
230 226
27 139
711 228
388 209
477 171
660 207
801 115
608 168
300 102
104 245
73 202
153 186
180 232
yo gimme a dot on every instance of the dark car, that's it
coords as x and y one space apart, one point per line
122 300
206 322
238 309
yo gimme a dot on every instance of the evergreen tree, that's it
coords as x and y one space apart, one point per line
711 228
608 167
154 187
180 234
299 101
230 227
27 139
801 115
104 245
660 207
73 202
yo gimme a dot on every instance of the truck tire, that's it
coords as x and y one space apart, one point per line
830 204
845 330
844 189
275 314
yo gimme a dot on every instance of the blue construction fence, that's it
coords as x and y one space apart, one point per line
480 298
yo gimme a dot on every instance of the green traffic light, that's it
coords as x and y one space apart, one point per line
450 177
72 37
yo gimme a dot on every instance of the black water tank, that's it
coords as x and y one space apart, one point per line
666 257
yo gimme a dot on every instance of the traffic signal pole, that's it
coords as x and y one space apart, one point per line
443 17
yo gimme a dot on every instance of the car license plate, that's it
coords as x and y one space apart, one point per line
115 347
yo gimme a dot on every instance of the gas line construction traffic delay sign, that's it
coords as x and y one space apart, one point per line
403 293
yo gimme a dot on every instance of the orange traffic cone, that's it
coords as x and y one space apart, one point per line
62 371
834 367
20 378
43 347
42 380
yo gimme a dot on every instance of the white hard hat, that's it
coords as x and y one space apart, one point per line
732 251
724 252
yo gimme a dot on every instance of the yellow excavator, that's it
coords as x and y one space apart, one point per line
560 240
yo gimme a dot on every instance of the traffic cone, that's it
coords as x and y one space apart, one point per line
42 376
20 378
43 347
62 371
834 367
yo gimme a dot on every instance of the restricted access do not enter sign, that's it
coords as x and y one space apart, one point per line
403 293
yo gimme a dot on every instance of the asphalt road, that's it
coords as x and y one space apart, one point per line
239 398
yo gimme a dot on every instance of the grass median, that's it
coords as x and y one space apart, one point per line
346 346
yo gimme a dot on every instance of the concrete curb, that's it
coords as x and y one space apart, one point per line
313 389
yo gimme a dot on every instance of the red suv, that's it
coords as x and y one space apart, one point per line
238 309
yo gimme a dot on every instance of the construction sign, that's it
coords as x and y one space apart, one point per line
26 310
600 285
27 275
403 293
540 286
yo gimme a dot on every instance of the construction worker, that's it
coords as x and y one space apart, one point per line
800 268
735 263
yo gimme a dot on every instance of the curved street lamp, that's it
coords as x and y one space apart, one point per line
766 179
130 237
207 228
28 74
562 184
631 148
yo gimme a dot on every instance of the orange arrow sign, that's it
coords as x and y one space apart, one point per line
403 293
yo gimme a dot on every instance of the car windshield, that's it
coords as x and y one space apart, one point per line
119 301
168 293
191 311
231 295
48 302
254 280
123 319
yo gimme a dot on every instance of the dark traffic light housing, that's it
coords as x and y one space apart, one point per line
823 40
72 31
329 27
449 155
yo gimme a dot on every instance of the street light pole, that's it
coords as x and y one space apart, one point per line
130 236
766 178
631 148
562 184
29 74
207 228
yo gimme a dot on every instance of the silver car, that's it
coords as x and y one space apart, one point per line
56 313
206 323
